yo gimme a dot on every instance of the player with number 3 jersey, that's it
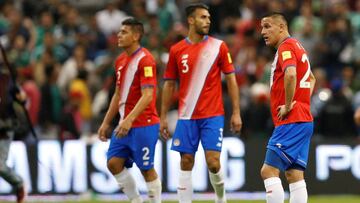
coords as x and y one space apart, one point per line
197 62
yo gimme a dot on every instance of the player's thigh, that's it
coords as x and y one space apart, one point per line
274 163
143 146
186 137
119 147
211 133
291 142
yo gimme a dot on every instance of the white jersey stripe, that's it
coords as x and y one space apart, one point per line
204 64
273 67
129 77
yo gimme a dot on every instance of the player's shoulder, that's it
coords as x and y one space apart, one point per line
216 40
147 53
179 45
290 43
147 57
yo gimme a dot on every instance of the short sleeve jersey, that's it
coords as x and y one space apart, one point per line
291 53
132 74
198 69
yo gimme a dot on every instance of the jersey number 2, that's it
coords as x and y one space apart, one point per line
146 151
303 82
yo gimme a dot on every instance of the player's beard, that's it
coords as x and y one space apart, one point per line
202 31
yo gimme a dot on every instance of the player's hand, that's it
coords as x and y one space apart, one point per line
164 129
283 112
123 128
235 123
103 132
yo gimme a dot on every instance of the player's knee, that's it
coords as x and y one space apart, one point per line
187 162
293 176
114 167
268 172
149 175
213 164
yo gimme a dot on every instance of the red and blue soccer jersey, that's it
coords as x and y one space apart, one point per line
132 73
198 68
291 53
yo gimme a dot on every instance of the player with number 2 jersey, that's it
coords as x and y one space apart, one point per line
291 53
291 83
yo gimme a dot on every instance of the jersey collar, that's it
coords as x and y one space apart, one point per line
206 37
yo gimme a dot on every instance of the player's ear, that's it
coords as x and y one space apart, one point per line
136 36
191 20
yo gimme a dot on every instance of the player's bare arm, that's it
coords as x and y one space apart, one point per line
312 82
167 94
289 86
146 97
104 129
233 90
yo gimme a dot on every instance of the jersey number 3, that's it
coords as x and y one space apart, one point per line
303 82
184 60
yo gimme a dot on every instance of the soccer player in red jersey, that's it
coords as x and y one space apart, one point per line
291 85
135 137
197 62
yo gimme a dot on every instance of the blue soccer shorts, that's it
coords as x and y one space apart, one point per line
137 146
189 133
288 147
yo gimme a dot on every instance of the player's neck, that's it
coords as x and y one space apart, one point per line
282 39
194 37
132 49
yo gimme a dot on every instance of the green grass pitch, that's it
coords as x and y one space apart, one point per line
312 199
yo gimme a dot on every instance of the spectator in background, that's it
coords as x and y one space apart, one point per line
71 122
336 117
257 114
109 19
49 43
45 25
51 105
25 79
79 85
73 65
66 32
19 54
94 40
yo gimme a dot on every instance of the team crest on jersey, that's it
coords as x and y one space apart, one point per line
286 55
176 142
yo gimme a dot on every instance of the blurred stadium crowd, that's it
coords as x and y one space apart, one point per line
63 52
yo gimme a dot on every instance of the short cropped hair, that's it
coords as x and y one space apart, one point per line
189 10
277 15
135 25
